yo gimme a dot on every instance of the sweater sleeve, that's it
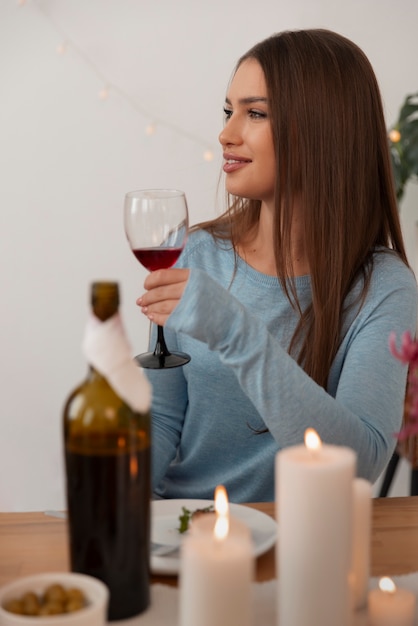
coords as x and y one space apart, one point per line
365 408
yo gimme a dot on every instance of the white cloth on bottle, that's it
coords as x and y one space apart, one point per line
107 349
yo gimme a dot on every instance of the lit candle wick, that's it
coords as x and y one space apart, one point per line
312 441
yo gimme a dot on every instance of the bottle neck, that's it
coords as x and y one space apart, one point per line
105 300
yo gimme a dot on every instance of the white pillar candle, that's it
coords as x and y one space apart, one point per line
390 606
216 574
314 494
360 564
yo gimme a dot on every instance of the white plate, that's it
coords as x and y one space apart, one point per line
165 522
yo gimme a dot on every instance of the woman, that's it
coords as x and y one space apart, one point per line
286 302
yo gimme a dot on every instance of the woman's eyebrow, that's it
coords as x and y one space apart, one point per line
248 100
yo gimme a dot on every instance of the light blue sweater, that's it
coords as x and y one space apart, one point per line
241 380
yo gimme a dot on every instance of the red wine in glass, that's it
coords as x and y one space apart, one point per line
157 258
156 226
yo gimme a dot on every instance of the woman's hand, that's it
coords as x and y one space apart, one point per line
164 290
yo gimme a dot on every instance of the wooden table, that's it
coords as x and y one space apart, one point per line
33 542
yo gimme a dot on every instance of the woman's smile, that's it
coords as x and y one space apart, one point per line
234 162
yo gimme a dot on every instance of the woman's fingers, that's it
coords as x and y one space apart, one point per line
166 277
164 290
159 314
162 294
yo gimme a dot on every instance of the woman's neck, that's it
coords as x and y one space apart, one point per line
258 249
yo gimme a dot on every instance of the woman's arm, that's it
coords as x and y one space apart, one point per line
367 382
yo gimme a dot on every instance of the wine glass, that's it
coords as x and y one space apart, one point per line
156 225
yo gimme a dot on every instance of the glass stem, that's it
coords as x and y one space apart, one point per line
160 347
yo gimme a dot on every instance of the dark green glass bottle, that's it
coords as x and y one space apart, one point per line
107 460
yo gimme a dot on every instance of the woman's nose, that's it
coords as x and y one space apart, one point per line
231 133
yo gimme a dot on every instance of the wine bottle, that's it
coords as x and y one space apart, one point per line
107 462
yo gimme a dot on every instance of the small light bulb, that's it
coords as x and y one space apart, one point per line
62 48
395 135
150 129
208 155
104 93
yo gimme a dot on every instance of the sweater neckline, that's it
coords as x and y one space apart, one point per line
259 277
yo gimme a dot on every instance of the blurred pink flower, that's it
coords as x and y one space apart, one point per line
408 354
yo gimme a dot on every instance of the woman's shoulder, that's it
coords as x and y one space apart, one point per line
389 267
202 247
199 237
389 280
391 291
392 282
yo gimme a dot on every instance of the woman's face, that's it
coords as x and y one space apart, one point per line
247 140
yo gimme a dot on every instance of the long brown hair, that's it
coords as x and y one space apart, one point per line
331 149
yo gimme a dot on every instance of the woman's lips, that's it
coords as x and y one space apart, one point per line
233 163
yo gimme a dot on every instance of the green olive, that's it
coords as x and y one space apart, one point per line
54 592
14 606
75 594
52 607
54 601
74 605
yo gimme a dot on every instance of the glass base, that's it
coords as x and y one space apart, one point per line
152 361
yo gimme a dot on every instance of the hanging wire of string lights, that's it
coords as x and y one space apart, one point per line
67 44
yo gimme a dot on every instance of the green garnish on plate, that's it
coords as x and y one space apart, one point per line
187 515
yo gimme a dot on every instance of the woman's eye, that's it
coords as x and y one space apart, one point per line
257 115
227 114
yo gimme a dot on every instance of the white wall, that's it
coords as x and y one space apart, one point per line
67 158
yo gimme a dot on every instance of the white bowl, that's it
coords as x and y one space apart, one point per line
94 614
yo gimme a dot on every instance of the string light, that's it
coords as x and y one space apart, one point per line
395 135
103 94
62 48
150 130
208 155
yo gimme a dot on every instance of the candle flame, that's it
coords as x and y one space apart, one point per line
221 501
387 585
221 527
312 440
